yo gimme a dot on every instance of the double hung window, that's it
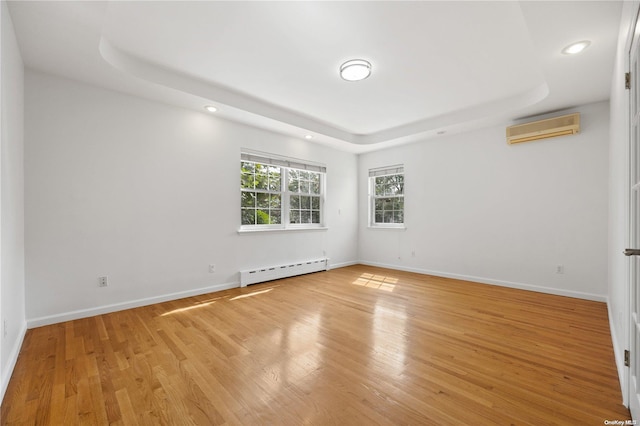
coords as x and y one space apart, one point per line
280 193
386 197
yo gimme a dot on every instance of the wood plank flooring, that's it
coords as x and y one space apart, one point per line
352 346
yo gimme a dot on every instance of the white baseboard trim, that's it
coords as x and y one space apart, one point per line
342 265
11 362
501 283
618 353
105 309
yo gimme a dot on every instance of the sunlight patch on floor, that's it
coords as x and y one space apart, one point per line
376 281
255 293
188 308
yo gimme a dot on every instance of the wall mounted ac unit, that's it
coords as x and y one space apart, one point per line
544 129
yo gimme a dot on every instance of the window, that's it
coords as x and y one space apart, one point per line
280 193
304 189
386 193
261 194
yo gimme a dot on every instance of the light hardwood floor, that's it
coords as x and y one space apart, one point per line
356 345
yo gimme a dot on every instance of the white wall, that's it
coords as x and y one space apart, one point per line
12 302
148 194
479 209
618 284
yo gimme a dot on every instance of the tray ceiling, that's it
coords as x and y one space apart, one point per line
436 66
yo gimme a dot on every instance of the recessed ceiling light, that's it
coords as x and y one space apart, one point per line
577 47
355 70
211 108
308 137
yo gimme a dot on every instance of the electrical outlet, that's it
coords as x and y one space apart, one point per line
560 269
103 281
212 268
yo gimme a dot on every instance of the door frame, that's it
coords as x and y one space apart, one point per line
633 34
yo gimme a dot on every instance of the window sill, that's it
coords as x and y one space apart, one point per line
276 230
388 228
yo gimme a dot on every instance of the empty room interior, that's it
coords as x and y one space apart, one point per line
319 213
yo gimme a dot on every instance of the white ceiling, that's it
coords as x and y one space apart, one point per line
437 66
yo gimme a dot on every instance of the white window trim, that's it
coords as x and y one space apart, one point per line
382 171
286 164
388 226
276 230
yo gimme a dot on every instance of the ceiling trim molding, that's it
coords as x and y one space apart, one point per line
491 109
217 94
221 95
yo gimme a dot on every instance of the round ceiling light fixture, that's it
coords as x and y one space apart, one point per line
211 108
577 47
355 70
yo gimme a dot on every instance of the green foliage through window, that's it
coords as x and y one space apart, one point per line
387 199
305 207
261 196
273 195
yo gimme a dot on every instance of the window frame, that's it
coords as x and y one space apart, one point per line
289 194
380 172
286 165
261 191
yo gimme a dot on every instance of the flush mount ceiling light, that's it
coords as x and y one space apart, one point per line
577 47
308 137
355 70
211 108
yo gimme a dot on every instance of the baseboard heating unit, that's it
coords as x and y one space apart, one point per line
270 273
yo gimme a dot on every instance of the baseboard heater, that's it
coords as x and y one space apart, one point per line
270 273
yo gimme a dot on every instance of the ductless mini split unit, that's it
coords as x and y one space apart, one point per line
544 129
